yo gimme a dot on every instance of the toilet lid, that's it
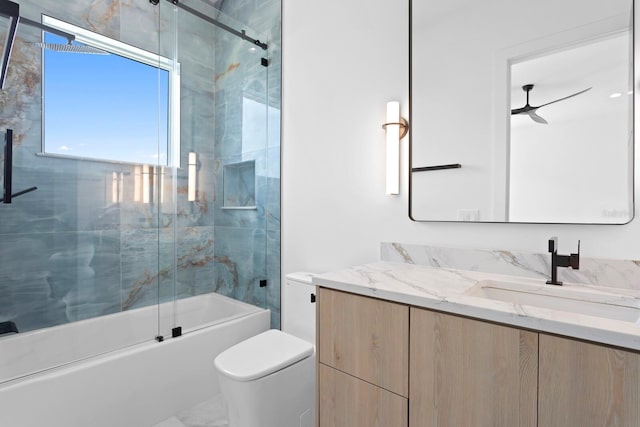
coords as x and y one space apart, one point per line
262 355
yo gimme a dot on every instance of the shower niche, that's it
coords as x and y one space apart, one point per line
239 185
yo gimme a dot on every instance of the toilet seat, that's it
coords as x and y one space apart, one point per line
262 355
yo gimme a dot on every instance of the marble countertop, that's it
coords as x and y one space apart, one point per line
455 291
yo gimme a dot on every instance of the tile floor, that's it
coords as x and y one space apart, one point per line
211 413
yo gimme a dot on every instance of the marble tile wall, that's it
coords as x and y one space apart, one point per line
67 252
593 271
250 236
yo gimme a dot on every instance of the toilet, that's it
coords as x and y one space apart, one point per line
269 380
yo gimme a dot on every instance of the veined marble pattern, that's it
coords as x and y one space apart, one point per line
68 252
251 238
613 315
593 271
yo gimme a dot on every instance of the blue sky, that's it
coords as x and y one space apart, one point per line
104 106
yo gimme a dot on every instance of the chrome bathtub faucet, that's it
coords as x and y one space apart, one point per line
572 261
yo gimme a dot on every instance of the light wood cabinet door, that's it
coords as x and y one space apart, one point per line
346 401
365 337
471 373
584 384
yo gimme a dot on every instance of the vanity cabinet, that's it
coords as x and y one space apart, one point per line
466 372
347 401
585 384
363 354
387 364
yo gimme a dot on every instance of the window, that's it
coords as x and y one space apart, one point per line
119 106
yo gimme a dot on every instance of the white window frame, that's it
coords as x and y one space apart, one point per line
125 50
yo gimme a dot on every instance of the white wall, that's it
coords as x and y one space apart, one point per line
342 61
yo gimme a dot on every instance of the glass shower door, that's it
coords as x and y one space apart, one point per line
241 205
88 119
222 189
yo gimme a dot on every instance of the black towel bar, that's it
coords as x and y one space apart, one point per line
436 168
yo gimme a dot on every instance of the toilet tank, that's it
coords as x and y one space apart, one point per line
298 306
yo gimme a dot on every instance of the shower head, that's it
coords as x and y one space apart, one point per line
59 47
71 48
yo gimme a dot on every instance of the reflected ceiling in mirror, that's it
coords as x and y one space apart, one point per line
534 102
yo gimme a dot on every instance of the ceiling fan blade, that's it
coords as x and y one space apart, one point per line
523 110
536 118
566 97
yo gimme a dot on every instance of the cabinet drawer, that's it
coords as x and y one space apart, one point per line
346 401
365 337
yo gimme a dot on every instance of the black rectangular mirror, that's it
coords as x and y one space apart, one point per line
533 103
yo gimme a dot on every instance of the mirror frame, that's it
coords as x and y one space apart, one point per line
634 161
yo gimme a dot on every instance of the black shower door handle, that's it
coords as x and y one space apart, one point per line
8 170
8 165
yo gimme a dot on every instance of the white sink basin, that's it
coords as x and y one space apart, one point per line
569 298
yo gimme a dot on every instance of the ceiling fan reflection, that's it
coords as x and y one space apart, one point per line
531 110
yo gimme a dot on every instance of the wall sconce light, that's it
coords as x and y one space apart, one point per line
158 183
146 181
137 183
396 128
146 184
192 173
117 187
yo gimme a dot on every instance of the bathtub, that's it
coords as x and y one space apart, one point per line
70 375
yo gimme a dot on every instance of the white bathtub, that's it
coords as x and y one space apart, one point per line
136 386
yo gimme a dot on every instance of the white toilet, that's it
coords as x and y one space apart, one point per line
269 380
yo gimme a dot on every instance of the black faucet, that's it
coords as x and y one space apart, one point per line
572 261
